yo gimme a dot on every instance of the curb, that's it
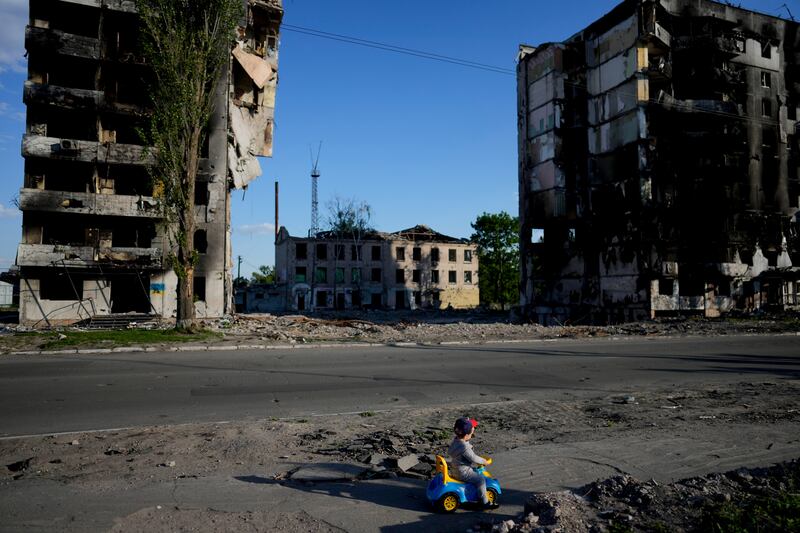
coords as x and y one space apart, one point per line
310 346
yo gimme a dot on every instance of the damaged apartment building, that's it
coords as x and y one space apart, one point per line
415 268
93 242
658 165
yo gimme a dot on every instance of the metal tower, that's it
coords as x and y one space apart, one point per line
315 174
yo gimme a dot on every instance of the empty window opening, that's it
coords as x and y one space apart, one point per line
355 275
199 289
400 276
766 51
322 251
666 286
375 300
418 298
338 275
61 287
400 254
376 275
338 252
468 277
355 252
300 251
201 241
201 193
724 287
537 235
434 255
321 275
451 276
322 299
339 300
766 79
415 276
416 254
434 276
690 284
766 107
468 256
400 299
355 299
376 253
300 274
451 255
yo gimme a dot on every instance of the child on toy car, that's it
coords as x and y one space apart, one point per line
462 457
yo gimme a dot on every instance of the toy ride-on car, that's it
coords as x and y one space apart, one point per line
447 494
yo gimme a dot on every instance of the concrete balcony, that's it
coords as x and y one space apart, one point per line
89 204
78 99
86 151
48 255
58 42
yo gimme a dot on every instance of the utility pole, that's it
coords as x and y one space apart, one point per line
239 269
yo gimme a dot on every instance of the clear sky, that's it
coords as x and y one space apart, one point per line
421 141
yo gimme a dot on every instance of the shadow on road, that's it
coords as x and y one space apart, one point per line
402 494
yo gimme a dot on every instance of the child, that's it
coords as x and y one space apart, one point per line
462 457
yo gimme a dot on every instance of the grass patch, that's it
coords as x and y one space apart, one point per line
126 337
777 514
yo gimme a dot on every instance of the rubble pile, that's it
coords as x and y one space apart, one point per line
466 326
623 503
391 453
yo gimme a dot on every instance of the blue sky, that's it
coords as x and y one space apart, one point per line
421 141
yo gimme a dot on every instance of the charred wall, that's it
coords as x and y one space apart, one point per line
678 153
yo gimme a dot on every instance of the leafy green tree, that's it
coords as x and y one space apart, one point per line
497 237
265 274
187 44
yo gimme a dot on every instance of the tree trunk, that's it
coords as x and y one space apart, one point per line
186 227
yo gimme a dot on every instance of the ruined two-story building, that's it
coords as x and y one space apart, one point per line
93 242
415 268
658 164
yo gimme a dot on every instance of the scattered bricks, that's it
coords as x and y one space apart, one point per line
407 462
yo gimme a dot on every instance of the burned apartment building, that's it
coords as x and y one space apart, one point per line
93 242
658 165
415 268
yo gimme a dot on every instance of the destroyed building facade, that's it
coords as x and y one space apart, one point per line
415 268
658 165
93 242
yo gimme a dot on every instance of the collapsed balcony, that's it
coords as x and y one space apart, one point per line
89 203
45 255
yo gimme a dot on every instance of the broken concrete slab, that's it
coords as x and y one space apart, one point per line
328 472
407 462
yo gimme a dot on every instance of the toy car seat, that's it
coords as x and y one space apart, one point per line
441 468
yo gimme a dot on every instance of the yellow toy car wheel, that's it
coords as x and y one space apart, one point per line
491 495
447 503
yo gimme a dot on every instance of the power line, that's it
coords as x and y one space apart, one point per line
397 49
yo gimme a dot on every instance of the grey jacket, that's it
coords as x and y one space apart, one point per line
462 456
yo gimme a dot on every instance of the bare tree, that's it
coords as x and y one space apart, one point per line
186 43
348 221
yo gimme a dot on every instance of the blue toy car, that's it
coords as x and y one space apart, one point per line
446 493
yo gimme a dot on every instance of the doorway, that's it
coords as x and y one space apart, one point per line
130 293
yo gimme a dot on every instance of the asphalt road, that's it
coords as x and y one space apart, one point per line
61 393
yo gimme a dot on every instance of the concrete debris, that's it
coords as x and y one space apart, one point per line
407 462
622 503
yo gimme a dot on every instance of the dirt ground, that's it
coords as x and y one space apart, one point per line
257 330
390 445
